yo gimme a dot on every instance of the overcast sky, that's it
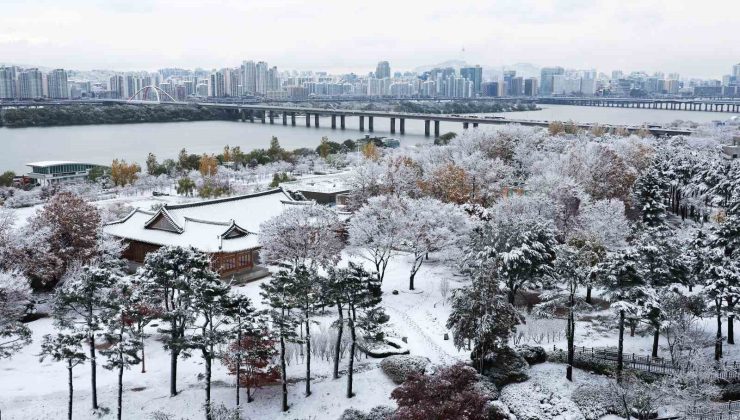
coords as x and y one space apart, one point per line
694 38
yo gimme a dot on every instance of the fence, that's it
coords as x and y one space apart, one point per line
725 411
657 365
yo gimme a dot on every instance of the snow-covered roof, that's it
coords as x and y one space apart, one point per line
47 163
221 225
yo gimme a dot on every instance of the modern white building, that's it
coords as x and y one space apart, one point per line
59 171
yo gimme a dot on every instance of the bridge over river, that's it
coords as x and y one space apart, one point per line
286 114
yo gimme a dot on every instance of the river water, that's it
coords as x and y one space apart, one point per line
132 142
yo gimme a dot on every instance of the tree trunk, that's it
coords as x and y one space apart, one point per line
93 373
731 329
173 360
71 390
143 358
308 358
350 368
207 357
571 332
120 386
620 347
283 373
338 345
511 295
238 363
588 294
718 342
411 280
656 338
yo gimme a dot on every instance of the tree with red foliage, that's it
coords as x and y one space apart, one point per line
73 232
252 358
448 394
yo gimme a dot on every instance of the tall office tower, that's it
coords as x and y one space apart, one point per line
509 75
383 70
517 86
736 72
261 78
273 79
57 84
475 75
217 86
490 89
546 79
31 84
530 87
7 83
116 87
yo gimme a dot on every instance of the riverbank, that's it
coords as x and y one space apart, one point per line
107 114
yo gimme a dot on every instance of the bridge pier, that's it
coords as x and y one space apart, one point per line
426 127
341 122
333 121
292 119
272 117
402 125
465 126
370 124
436 128
263 117
393 125
308 119
316 120
475 125
362 123
285 118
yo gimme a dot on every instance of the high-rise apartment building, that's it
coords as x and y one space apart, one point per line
261 78
546 79
57 84
249 74
516 86
509 75
217 87
383 70
475 75
31 84
116 87
7 83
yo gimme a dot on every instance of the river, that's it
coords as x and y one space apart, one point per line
132 142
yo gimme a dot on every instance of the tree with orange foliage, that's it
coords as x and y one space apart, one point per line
122 173
449 184
370 151
208 165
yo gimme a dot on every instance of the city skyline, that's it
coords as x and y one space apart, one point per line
158 33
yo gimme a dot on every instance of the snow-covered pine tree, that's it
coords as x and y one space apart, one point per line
275 293
515 252
65 347
618 274
362 295
482 316
168 275
210 306
649 195
304 290
15 300
118 311
77 307
573 267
